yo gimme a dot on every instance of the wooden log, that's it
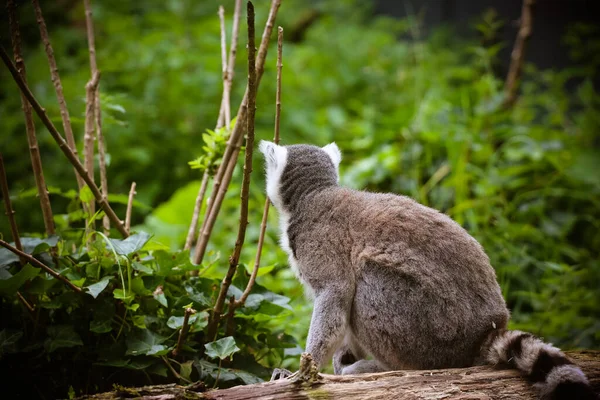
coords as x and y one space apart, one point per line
485 382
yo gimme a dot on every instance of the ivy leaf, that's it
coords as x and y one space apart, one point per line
222 348
120 295
61 336
145 342
185 369
131 244
142 268
85 194
8 341
12 283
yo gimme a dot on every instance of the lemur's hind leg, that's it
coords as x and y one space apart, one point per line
349 358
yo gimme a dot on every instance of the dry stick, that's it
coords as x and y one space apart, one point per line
225 112
10 214
184 330
97 112
129 207
197 209
34 151
64 112
222 116
33 261
263 224
518 53
225 171
225 103
88 138
175 373
62 144
250 113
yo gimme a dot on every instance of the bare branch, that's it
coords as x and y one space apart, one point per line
132 193
24 301
518 53
250 113
34 261
175 373
184 330
263 223
64 147
102 154
10 213
34 151
89 136
64 112
223 176
197 209
225 111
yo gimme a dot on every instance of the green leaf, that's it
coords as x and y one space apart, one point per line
160 297
222 348
131 244
11 285
177 322
145 342
85 194
61 336
142 268
185 369
8 341
120 295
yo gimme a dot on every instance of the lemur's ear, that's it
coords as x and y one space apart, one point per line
334 153
272 152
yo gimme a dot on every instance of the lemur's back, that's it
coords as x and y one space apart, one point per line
437 277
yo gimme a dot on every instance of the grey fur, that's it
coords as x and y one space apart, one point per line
392 280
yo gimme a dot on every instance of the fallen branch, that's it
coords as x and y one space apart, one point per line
250 106
225 171
64 111
484 382
518 53
62 144
34 151
36 263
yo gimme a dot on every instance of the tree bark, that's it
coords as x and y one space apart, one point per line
486 382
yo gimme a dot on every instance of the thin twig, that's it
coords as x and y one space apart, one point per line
197 209
225 171
61 143
250 113
518 53
230 326
185 327
89 136
34 261
97 111
224 114
24 301
175 373
263 224
34 151
10 213
64 111
132 193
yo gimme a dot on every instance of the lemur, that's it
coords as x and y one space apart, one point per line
397 285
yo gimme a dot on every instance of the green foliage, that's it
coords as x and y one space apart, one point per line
420 116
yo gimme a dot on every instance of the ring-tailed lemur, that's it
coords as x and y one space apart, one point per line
396 281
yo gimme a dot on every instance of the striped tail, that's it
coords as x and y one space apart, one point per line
554 375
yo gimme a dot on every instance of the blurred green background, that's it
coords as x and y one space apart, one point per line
416 112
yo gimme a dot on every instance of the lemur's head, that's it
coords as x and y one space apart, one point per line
297 169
